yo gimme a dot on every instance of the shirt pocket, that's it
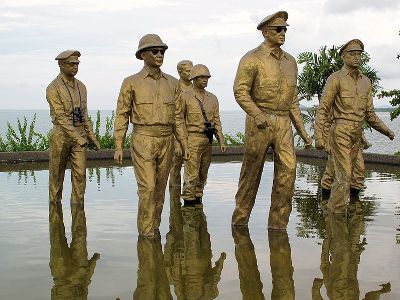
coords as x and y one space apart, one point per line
169 107
144 107
347 99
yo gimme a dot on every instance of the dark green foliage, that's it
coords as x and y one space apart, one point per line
25 138
106 140
318 67
232 140
395 102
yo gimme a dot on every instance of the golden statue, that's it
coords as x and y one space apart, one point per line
184 83
147 100
70 267
348 93
265 88
198 112
71 130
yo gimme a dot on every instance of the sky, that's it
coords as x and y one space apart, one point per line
214 33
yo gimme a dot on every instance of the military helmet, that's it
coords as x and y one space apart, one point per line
199 70
149 41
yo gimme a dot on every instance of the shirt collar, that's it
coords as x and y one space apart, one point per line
278 53
63 79
347 72
145 73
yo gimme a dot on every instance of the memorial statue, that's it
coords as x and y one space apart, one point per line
348 93
147 100
198 111
71 130
265 88
184 83
357 174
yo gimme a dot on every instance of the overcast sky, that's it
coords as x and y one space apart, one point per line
215 33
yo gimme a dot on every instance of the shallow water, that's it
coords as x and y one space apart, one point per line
195 255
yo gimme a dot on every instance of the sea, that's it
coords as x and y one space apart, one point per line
233 121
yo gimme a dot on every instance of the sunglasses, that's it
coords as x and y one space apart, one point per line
279 29
72 63
156 51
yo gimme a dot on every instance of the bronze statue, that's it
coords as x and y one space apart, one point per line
348 93
198 112
357 174
72 129
147 100
70 267
265 87
184 83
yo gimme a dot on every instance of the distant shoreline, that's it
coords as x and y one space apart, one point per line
7 158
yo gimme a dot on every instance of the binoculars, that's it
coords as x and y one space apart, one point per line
209 131
77 116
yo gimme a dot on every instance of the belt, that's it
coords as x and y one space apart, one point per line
199 134
280 113
58 126
153 130
347 122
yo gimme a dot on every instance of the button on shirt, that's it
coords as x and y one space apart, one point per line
266 81
62 97
189 112
145 100
350 98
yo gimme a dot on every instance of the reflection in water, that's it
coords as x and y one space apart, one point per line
340 256
188 255
152 282
280 262
311 223
69 265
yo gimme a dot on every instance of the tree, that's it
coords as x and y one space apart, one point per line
317 67
395 102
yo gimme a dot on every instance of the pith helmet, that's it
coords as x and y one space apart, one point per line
149 41
353 45
199 70
67 53
277 19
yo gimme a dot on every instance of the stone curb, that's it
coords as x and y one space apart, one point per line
107 154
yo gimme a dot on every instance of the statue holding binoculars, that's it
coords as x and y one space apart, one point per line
71 130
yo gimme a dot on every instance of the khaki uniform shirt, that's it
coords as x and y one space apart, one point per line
266 82
350 99
190 114
145 100
62 98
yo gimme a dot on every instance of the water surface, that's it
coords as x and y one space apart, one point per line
98 255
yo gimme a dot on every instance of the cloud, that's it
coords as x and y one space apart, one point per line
89 5
345 6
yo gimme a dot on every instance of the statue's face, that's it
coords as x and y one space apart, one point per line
184 72
200 82
69 66
275 35
352 58
153 57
